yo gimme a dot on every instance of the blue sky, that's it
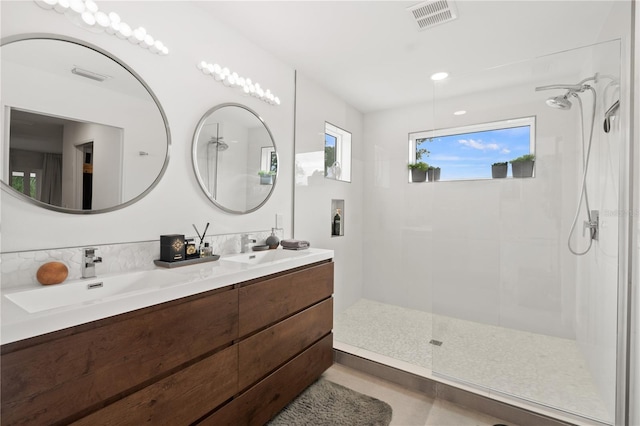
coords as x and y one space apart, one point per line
470 155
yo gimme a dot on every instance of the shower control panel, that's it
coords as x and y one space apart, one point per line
593 225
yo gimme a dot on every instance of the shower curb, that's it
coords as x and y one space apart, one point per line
435 389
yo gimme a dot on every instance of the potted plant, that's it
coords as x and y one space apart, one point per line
419 168
433 173
266 177
499 170
418 171
522 166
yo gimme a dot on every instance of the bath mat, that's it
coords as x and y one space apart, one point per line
326 403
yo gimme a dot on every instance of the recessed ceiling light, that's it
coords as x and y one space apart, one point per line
439 76
461 112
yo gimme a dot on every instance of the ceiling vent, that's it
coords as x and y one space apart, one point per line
431 13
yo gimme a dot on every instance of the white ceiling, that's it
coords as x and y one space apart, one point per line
372 55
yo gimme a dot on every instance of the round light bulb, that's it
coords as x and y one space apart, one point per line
114 17
225 71
201 65
277 100
246 90
102 19
88 19
76 6
124 31
461 112
164 51
148 42
136 37
159 46
91 6
217 69
113 28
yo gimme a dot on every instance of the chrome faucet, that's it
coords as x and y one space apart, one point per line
89 260
245 242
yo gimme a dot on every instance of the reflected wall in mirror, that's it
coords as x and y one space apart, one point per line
235 158
82 132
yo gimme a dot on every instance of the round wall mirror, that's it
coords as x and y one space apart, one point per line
235 158
82 132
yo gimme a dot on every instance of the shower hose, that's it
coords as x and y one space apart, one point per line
585 165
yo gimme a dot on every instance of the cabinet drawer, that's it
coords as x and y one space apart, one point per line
264 400
269 301
263 352
55 380
179 399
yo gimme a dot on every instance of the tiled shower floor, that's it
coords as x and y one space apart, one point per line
546 370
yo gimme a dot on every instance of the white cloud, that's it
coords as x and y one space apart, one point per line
505 151
479 145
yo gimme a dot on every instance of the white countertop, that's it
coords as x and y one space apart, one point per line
18 324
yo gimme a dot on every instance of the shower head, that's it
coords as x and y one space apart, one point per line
560 102
563 102
219 143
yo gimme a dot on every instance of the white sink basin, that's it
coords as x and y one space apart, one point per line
90 290
262 257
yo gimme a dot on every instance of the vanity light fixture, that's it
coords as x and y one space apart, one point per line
87 15
232 79
89 74
439 76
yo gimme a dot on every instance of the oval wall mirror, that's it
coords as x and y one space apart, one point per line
235 158
82 132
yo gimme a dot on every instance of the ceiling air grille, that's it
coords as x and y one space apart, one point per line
430 13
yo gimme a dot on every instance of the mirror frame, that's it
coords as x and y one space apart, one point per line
57 37
194 157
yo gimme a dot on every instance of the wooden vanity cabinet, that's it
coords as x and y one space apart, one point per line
237 354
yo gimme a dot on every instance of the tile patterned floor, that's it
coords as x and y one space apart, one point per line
409 408
543 369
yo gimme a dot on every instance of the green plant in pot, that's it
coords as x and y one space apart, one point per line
418 171
266 177
433 173
419 168
499 170
523 166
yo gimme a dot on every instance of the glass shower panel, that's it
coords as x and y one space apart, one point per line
515 313
391 321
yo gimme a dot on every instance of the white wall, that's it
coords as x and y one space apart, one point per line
185 94
107 165
313 193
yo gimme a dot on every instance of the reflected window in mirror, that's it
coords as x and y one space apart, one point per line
337 153
478 151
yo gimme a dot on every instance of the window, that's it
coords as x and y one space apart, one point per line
337 153
468 152
26 185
